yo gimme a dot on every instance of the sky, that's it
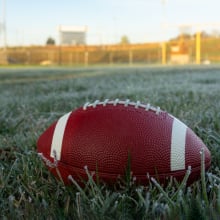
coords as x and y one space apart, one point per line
31 22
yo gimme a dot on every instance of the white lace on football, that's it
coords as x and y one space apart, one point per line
86 105
95 103
116 102
137 104
105 102
126 103
48 162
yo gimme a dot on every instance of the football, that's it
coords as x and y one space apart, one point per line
104 136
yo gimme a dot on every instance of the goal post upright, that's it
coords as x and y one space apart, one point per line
198 47
164 57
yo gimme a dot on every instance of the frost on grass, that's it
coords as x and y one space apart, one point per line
28 107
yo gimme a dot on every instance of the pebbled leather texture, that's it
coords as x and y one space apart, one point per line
105 136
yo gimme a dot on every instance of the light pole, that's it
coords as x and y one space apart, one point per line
3 54
164 58
3 25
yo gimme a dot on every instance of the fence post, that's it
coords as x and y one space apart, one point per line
130 57
86 58
111 58
60 55
28 60
164 53
70 58
50 56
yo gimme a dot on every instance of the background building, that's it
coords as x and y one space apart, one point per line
72 35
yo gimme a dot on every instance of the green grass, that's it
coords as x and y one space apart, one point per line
32 98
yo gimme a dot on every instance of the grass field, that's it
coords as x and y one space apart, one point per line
31 99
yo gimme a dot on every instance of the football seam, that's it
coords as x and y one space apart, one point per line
126 103
81 170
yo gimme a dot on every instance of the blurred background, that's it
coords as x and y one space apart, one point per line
90 32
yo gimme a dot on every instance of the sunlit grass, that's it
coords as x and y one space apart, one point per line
28 107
